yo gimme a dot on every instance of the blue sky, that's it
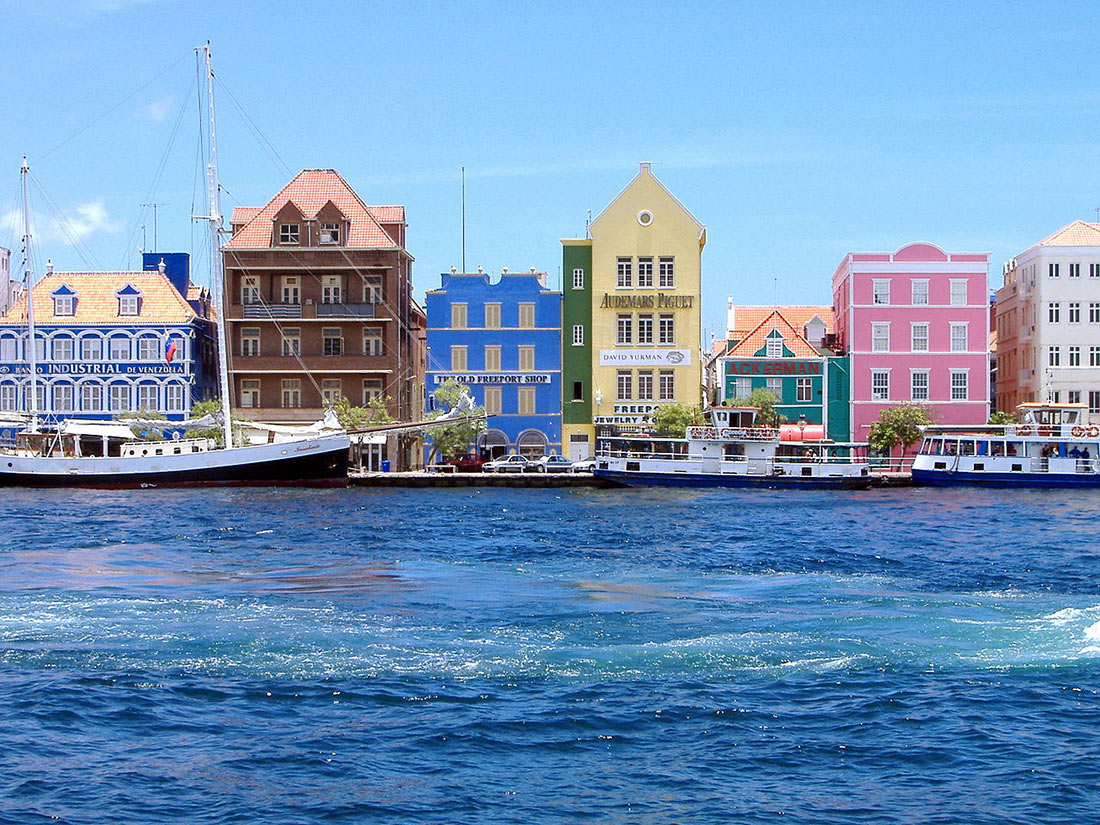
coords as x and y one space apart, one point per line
796 132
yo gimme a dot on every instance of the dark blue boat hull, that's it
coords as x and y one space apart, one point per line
943 478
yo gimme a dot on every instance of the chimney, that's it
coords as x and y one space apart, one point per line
162 266
644 166
731 316
49 266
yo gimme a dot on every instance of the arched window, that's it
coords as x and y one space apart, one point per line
532 443
492 444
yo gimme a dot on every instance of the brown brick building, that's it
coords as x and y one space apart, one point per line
319 306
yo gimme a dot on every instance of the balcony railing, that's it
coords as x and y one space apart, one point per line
345 310
272 310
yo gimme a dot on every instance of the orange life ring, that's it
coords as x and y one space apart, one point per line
1023 430
1078 432
1094 431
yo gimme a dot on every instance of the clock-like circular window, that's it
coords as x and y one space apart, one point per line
645 217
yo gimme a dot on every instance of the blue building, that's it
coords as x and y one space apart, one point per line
109 343
503 340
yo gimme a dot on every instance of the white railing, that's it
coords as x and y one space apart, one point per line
696 433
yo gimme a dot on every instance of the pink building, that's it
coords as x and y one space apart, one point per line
915 326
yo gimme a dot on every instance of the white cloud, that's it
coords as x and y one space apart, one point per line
158 110
72 226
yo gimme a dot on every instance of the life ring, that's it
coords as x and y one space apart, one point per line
1023 430
1078 432
1094 431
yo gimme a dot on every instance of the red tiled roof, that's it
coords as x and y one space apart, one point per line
387 214
97 304
1078 233
757 338
310 191
748 318
243 214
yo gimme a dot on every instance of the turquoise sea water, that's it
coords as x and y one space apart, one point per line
541 656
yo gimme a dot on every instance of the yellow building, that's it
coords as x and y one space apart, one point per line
631 319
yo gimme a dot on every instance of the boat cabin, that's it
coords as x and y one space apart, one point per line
1052 414
732 416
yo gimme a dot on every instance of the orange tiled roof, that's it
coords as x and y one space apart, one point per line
1078 233
748 318
757 338
387 214
97 304
310 191
243 214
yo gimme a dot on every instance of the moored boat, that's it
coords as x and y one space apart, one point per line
731 451
1051 445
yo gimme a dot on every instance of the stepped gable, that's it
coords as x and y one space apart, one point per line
310 191
756 340
750 317
97 301
1078 233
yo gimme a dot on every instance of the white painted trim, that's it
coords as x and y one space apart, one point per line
921 268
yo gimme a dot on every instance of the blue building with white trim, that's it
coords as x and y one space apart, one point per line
110 343
503 340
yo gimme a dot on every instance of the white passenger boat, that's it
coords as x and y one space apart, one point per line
1052 445
730 451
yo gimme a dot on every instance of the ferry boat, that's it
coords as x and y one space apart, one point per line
1052 445
733 450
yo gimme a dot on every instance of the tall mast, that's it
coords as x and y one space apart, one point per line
28 286
215 220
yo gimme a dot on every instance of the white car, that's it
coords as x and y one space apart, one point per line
584 465
513 463
553 464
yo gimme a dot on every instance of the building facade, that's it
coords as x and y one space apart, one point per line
766 350
914 324
1048 322
503 341
109 343
631 316
319 307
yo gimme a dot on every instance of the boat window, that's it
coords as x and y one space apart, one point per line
967 447
983 448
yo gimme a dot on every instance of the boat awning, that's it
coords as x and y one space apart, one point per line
99 429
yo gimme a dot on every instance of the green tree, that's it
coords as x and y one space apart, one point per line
764 400
354 418
1000 418
453 439
145 432
672 420
214 408
898 426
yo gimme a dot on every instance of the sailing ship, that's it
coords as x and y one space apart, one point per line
108 455
732 450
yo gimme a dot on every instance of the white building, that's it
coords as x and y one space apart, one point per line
1048 322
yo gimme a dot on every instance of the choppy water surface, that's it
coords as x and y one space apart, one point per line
531 656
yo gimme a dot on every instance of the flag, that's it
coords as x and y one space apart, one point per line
170 352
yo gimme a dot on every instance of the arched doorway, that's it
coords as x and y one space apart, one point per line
492 444
532 443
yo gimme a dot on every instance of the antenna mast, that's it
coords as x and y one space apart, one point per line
154 207
216 279
28 281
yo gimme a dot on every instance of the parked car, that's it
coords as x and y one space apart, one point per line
553 464
467 463
513 463
584 465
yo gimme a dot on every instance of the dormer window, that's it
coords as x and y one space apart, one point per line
330 233
129 301
288 233
64 301
774 346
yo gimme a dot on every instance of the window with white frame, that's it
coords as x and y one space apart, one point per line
880 337
250 289
372 289
804 389
330 233
960 337
773 347
1094 356
458 316
666 385
147 397
1054 312
1056 396
920 292
1074 356
1073 312
578 279
118 348
292 289
458 359
624 277
332 341
8 398
623 330
174 400
960 385
288 233
128 304
492 316
774 386
666 330
1094 401
372 388
1073 396
1094 270
645 385
645 329
332 289
62 349
1054 356
666 273
958 292
919 341
1052 270
744 387
645 273
64 305
292 341
118 397
526 358
880 385
250 341
331 391
578 335
91 349
91 397
492 401
1075 270
148 349
1094 312
9 347
372 341
918 389
292 393
880 288
63 398
624 385
492 358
